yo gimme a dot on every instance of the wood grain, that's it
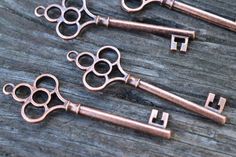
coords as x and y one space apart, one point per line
29 46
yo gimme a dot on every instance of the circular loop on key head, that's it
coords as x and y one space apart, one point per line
94 82
39 11
36 116
40 97
53 12
85 60
66 31
109 53
140 5
22 92
69 22
48 82
31 113
8 88
71 16
80 8
71 56
79 4
102 67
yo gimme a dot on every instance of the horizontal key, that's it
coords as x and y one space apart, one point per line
38 97
187 9
100 70
69 25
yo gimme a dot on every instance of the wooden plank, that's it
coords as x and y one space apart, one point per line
29 46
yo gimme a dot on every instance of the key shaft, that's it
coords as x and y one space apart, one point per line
129 25
177 100
204 15
125 122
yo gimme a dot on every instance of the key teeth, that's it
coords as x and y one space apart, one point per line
221 103
174 44
164 118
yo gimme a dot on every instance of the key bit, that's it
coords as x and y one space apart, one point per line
154 116
183 45
219 106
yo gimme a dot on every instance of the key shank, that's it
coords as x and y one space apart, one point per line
177 100
128 25
93 113
203 15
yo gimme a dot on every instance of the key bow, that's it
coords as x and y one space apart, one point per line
67 16
102 66
32 97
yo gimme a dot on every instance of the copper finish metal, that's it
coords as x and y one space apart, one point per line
61 20
208 111
211 99
174 43
153 117
30 99
187 9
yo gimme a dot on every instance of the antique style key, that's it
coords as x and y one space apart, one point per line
39 97
72 20
105 68
179 6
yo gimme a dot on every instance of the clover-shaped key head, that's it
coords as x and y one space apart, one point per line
36 96
69 18
100 70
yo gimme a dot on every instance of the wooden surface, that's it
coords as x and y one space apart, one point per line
29 47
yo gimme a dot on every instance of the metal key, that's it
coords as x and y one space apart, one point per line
68 17
103 67
187 9
38 96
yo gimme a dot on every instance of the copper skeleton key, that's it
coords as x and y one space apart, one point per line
187 9
37 96
102 67
67 17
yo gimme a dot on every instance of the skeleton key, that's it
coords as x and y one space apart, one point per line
103 66
179 6
38 96
70 18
